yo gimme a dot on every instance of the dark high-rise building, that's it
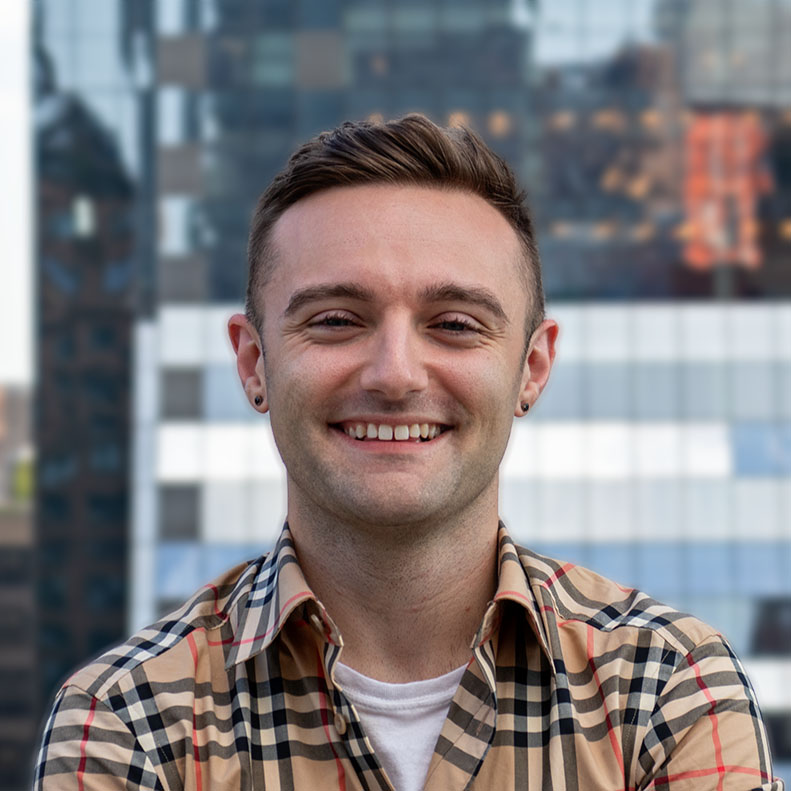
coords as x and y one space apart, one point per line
88 199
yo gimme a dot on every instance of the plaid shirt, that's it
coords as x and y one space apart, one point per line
574 683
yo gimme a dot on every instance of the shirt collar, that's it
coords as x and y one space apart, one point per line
271 589
514 584
268 592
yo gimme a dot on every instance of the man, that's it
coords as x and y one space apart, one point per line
396 637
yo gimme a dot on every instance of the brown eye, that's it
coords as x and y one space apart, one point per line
457 324
333 320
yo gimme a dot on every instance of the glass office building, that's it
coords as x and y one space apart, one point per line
654 138
91 227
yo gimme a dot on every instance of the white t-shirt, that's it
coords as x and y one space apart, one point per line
402 721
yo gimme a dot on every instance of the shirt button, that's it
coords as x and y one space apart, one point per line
340 723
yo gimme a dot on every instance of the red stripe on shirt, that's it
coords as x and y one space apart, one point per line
83 743
741 770
715 734
217 610
268 631
561 572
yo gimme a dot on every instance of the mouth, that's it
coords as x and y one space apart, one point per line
391 432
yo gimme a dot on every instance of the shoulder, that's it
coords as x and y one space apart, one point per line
570 594
126 715
155 648
668 682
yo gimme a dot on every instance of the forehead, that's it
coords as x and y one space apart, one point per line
398 235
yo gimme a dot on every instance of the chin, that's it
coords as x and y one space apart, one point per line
379 519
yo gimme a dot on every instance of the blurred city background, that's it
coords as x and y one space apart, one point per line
654 137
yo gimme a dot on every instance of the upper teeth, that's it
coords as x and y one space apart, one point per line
386 432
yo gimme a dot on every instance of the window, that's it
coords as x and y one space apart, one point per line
762 448
182 394
772 630
108 509
178 512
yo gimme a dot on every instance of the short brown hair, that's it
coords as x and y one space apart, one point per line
408 151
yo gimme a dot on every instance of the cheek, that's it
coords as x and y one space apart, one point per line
488 384
304 384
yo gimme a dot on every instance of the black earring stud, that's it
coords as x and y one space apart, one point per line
525 406
258 400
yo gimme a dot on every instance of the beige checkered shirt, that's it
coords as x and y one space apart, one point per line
573 683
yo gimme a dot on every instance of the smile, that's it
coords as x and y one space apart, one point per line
384 432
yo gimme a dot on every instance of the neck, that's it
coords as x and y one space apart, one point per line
407 600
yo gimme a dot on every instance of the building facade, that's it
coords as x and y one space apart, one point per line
90 232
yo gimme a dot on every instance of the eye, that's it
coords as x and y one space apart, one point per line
333 324
456 324
331 320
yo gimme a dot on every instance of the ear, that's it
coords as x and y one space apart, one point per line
538 363
249 360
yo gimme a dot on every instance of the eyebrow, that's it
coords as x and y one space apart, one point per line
473 295
305 296
440 292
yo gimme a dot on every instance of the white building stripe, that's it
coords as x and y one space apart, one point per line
143 516
616 450
771 679
200 452
662 332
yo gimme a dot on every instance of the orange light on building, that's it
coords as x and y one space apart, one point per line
611 179
562 120
458 118
499 123
784 229
650 119
604 230
638 187
724 179
613 120
644 231
561 229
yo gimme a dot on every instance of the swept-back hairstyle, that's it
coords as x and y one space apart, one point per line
408 151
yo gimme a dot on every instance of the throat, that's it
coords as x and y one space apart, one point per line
412 619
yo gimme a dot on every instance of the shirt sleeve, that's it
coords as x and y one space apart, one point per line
706 731
86 746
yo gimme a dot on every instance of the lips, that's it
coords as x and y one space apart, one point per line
391 432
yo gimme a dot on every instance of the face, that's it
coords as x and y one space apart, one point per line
393 330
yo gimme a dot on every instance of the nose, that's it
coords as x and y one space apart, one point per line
395 366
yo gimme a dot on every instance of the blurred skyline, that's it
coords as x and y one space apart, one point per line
654 138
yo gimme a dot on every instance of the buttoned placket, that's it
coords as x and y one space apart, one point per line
345 720
467 736
468 732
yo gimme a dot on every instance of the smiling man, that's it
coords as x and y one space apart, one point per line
396 637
